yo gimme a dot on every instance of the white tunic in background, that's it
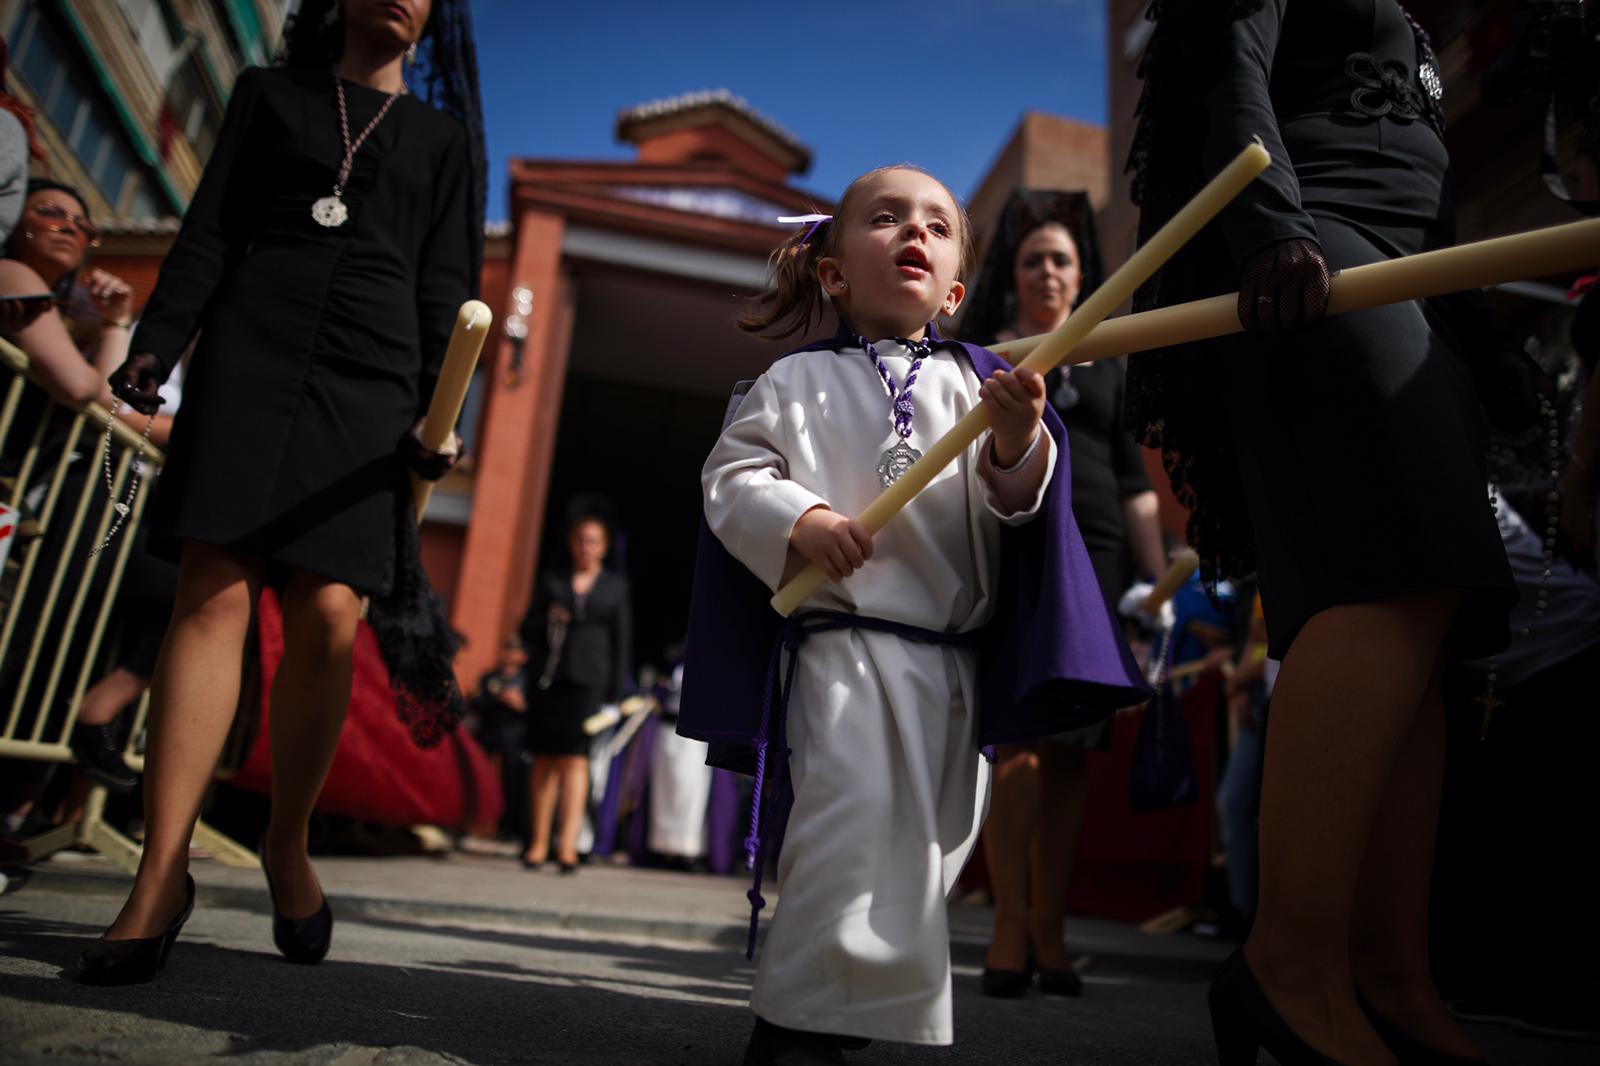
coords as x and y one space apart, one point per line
889 788
680 788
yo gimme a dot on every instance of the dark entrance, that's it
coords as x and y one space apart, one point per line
653 361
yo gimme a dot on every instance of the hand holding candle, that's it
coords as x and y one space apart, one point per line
1537 253
1048 354
460 360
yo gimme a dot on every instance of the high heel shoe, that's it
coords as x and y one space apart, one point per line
300 940
1008 984
1408 1049
131 962
1243 1022
1060 982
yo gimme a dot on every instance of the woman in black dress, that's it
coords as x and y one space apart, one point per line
1344 462
1043 261
324 301
579 636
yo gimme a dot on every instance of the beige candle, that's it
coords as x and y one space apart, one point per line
1049 353
1537 253
1183 566
460 360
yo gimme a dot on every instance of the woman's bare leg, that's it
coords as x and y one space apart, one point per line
1063 792
1389 935
1007 833
574 774
110 696
310 698
543 788
194 694
1345 702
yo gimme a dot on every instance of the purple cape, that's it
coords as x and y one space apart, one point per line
1051 659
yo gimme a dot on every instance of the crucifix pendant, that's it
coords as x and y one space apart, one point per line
330 211
895 461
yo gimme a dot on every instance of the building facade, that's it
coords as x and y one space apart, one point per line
613 383
129 94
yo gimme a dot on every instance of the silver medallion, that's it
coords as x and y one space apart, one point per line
330 211
1432 84
894 462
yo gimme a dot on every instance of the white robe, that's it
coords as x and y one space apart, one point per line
889 788
680 789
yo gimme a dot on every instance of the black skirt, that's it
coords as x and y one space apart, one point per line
1360 446
556 716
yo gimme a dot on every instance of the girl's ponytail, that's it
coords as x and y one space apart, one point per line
794 297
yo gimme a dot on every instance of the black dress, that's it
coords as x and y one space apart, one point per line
318 347
1107 466
1359 440
589 667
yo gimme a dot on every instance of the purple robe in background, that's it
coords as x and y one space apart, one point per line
1052 657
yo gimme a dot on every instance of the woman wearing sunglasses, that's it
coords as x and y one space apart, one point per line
43 259
44 264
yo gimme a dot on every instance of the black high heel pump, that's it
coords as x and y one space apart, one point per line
1243 1022
300 940
131 962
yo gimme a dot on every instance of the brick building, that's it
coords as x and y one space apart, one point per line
129 94
635 271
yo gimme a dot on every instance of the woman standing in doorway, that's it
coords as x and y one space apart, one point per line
579 636
334 235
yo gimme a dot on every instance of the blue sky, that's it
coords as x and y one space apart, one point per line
941 83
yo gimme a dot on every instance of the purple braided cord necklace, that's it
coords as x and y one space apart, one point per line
902 409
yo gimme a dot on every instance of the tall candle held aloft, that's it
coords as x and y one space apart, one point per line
1537 253
1050 352
455 377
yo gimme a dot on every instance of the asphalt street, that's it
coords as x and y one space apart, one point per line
414 984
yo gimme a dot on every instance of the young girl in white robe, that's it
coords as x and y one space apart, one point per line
889 787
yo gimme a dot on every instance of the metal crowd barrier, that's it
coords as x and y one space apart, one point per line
53 491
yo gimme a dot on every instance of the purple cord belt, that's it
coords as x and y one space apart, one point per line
771 735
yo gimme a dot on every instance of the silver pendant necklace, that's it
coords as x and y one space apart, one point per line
898 457
330 211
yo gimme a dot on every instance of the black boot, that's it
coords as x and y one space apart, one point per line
131 962
100 757
773 1045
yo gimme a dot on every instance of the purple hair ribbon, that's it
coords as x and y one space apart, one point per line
816 222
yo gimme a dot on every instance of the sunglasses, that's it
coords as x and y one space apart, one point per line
60 218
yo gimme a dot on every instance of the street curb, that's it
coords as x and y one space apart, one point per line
706 934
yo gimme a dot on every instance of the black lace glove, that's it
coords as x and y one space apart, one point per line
429 465
137 381
1283 287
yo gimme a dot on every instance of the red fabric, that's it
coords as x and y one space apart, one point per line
378 774
1134 866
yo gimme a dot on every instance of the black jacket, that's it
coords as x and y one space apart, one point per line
598 649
